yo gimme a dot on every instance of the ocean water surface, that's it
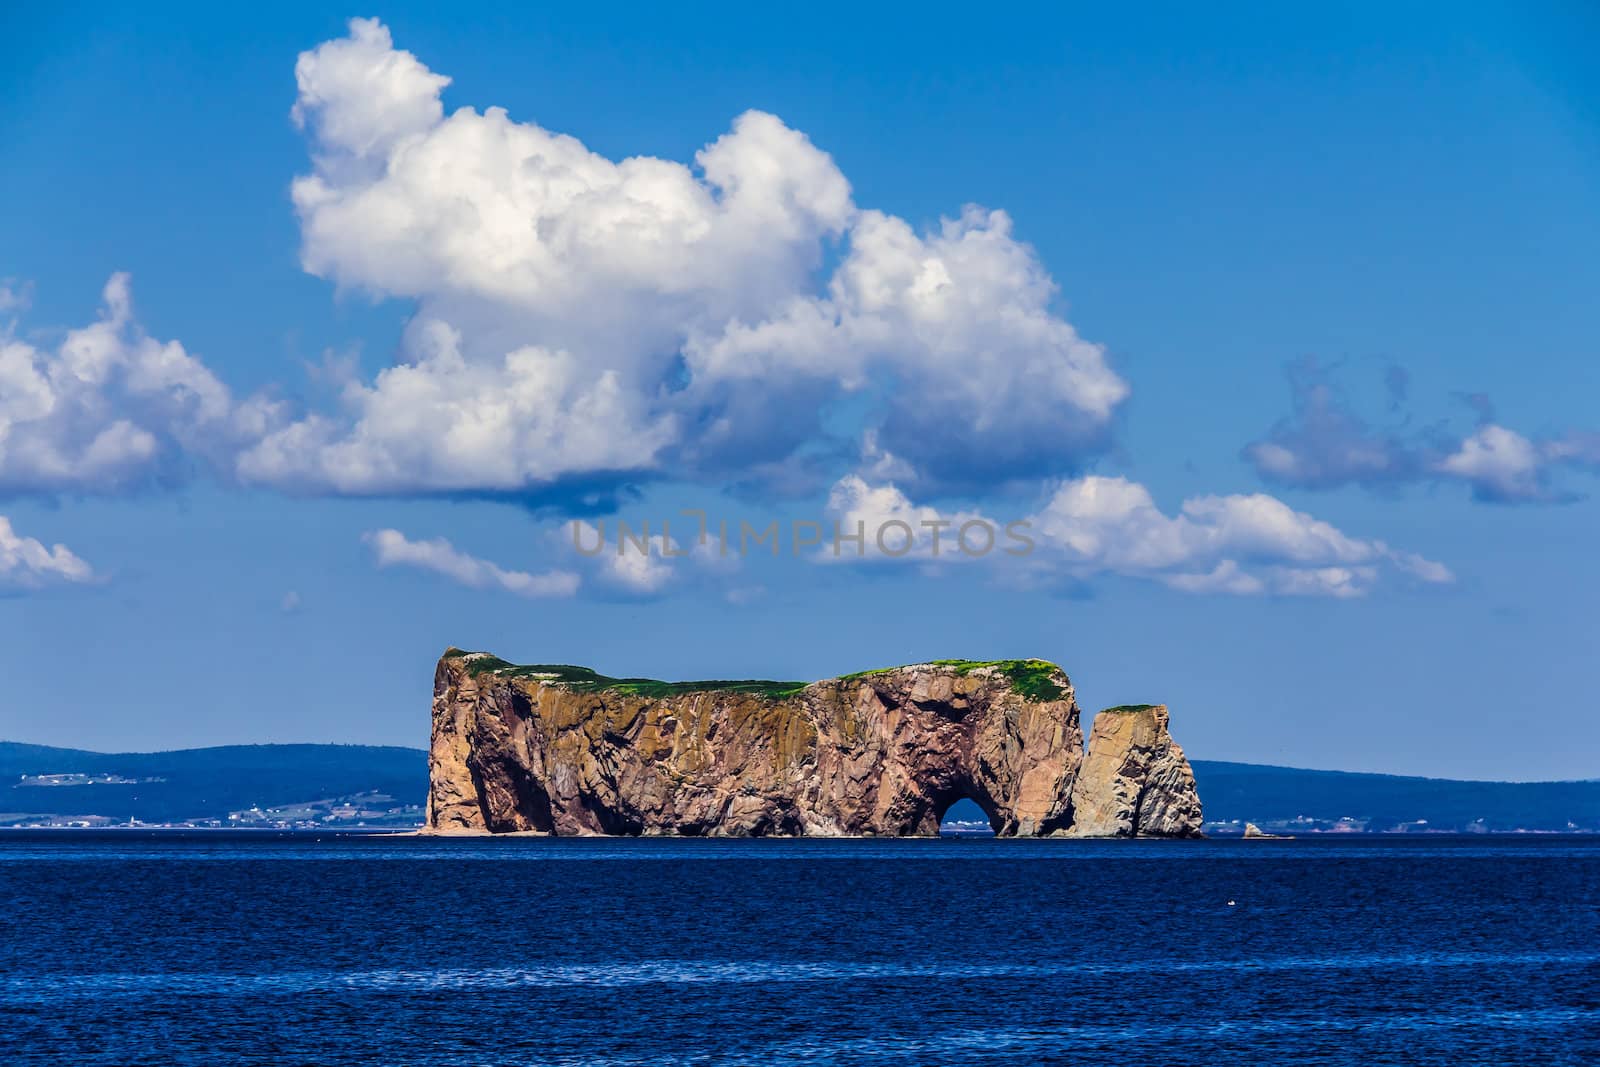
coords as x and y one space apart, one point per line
136 947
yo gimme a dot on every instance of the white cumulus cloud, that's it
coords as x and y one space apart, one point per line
391 548
985 378
880 520
581 315
443 423
1499 464
26 563
110 409
1238 544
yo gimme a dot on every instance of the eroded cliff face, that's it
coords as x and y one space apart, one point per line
562 750
1136 781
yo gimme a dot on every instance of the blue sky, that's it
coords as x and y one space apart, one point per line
1277 327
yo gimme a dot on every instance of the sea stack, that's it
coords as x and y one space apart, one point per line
563 750
1135 782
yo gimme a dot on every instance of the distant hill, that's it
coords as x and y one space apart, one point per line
208 783
1274 797
204 783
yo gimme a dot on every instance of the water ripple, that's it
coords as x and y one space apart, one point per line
21 988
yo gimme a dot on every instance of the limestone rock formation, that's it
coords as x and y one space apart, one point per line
1135 781
563 750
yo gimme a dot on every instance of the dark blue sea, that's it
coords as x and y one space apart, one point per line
215 948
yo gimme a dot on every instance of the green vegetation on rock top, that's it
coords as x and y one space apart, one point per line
1032 679
1132 707
584 680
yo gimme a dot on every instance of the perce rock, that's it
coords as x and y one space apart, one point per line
563 750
